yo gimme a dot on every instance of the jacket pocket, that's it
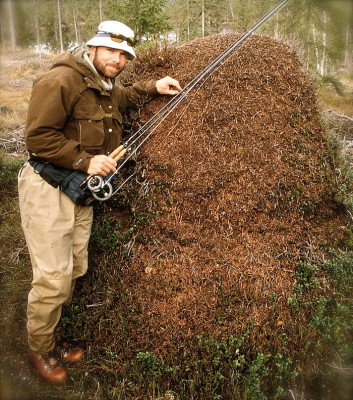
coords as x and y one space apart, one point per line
90 121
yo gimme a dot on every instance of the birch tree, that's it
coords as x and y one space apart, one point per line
8 33
60 26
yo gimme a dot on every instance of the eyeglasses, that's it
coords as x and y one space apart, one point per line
119 38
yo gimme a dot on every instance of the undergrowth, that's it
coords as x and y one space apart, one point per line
209 368
334 95
311 364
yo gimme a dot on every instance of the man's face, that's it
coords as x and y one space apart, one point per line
107 61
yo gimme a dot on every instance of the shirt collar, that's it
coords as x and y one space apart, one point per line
106 85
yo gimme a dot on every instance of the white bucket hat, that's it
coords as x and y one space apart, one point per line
116 35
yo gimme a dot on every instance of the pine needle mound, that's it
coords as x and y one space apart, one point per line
238 180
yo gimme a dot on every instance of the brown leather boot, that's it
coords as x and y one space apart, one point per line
69 352
48 366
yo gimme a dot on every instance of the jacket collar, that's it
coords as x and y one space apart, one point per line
81 57
106 85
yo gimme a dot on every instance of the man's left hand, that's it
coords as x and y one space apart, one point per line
168 85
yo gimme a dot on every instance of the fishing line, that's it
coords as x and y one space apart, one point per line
154 122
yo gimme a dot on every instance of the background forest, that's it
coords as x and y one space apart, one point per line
323 28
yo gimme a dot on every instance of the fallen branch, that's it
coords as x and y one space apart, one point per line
14 142
340 115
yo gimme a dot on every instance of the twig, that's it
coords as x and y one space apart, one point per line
95 305
348 371
341 115
293 397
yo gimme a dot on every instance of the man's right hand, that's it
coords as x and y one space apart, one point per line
101 165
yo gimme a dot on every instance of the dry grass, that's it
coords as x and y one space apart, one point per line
18 71
339 104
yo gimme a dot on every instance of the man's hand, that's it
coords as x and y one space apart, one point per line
101 165
168 85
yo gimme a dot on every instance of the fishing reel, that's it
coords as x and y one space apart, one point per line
100 188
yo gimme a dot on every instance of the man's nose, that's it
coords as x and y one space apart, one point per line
116 57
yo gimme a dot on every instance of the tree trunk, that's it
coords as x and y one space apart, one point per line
37 30
75 26
317 56
11 25
323 64
203 19
348 53
100 11
60 30
188 11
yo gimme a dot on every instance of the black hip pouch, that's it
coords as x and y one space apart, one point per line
71 182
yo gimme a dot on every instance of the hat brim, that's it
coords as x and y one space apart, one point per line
108 42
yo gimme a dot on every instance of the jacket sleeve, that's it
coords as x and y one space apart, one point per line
132 97
49 109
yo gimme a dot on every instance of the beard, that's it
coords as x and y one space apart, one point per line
107 71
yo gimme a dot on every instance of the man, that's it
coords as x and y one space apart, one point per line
74 122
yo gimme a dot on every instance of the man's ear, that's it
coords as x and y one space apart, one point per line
92 51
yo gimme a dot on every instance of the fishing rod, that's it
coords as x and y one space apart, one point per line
152 124
201 76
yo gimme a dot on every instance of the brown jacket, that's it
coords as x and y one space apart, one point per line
71 117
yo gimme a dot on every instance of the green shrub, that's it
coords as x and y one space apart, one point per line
333 82
9 168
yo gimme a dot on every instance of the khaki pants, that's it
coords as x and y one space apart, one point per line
57 232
